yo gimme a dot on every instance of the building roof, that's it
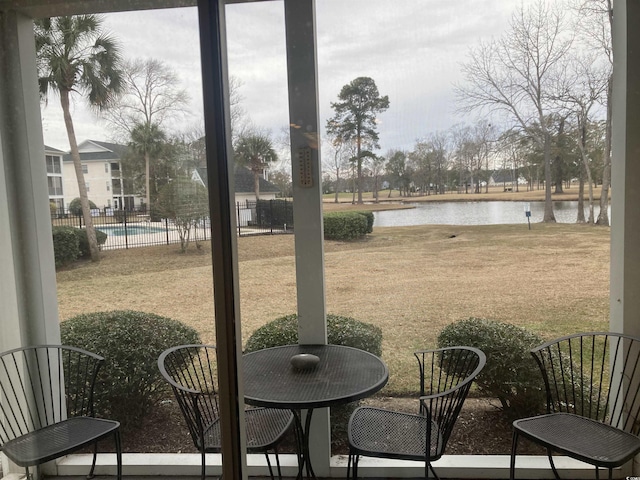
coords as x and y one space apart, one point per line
49 149
97 150
243 180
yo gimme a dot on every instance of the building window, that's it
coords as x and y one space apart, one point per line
55 186
106 168
85 168
87 186
108 186
53 164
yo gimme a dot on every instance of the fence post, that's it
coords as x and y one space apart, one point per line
238 217
166 228
126 233
271 216
80 220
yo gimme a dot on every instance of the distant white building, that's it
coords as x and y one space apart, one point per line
53 158
102 169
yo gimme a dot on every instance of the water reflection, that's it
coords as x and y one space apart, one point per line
475 213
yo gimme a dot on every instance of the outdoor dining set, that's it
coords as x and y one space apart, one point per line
591 380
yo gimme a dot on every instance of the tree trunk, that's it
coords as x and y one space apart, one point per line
603 216
337 196
82 187
548 204
580 218
147 177
359 158
256 184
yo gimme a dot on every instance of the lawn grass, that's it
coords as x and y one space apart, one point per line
411 281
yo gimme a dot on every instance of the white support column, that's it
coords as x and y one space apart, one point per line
625 174
29 313
307 198
625 211
30 307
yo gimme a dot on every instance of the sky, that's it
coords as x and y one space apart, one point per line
413 49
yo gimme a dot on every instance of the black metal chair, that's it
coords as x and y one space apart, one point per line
446 375
592 382
46 405
191 372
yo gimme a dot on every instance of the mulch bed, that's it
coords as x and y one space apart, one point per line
482 429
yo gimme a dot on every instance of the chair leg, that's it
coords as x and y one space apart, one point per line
93 463
356 459
118 454
553 466
204 465
275 449
266 455
435 475
514 447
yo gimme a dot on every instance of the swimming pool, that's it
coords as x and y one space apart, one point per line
120 231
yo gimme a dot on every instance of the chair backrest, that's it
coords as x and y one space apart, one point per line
594 375
446 375
42 385
191 372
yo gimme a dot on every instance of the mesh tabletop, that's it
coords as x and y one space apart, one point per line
343 375
63 437
580 436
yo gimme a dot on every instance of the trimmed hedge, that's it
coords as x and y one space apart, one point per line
511 374
129 383
346 225
70 243
370 218
340 331
75 207
66 245
84 242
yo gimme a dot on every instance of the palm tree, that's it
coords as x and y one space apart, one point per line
147 140
75 55
255 151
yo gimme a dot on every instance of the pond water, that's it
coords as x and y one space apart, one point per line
476 213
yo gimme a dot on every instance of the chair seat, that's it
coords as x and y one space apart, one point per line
264 428
582 438
384 433
56 440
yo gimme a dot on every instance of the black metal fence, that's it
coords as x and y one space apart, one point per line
264 217
128 229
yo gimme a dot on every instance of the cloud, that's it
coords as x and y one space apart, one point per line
411 48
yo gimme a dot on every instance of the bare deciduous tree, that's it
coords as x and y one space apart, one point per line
595 25
152 95
513 75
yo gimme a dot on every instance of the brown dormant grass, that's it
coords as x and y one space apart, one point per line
411 281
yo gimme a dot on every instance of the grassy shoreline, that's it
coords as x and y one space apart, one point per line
494 194
411 281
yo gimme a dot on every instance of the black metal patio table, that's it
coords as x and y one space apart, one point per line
343 375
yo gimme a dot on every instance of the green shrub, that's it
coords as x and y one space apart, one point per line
511 374
129 382
66 247
370 218
340 331
345 225
84 242
75 207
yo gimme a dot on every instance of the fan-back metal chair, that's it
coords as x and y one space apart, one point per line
46 405
592 382
191 372
446 375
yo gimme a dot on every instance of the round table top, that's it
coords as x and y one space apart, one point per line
343 375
